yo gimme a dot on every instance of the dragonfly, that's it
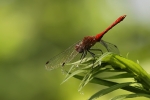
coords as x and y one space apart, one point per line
83 47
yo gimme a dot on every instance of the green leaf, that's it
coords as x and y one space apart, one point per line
122 97
119 62
89 76
123 75
112 70
72 74
99 81
110 89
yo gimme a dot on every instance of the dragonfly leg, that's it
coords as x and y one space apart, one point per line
83 55
97 50
93 55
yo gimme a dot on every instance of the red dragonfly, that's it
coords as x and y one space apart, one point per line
83 47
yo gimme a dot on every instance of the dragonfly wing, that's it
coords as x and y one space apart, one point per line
110 47
62 58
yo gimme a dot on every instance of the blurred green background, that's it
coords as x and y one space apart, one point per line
33 31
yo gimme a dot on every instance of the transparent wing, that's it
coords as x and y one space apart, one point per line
62 58
110 47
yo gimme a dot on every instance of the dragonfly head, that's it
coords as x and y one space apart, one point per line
79 48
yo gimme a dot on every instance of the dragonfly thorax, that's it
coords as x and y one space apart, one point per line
85 44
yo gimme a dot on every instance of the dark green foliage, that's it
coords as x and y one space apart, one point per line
88 71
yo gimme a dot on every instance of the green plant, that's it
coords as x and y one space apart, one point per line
89 69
